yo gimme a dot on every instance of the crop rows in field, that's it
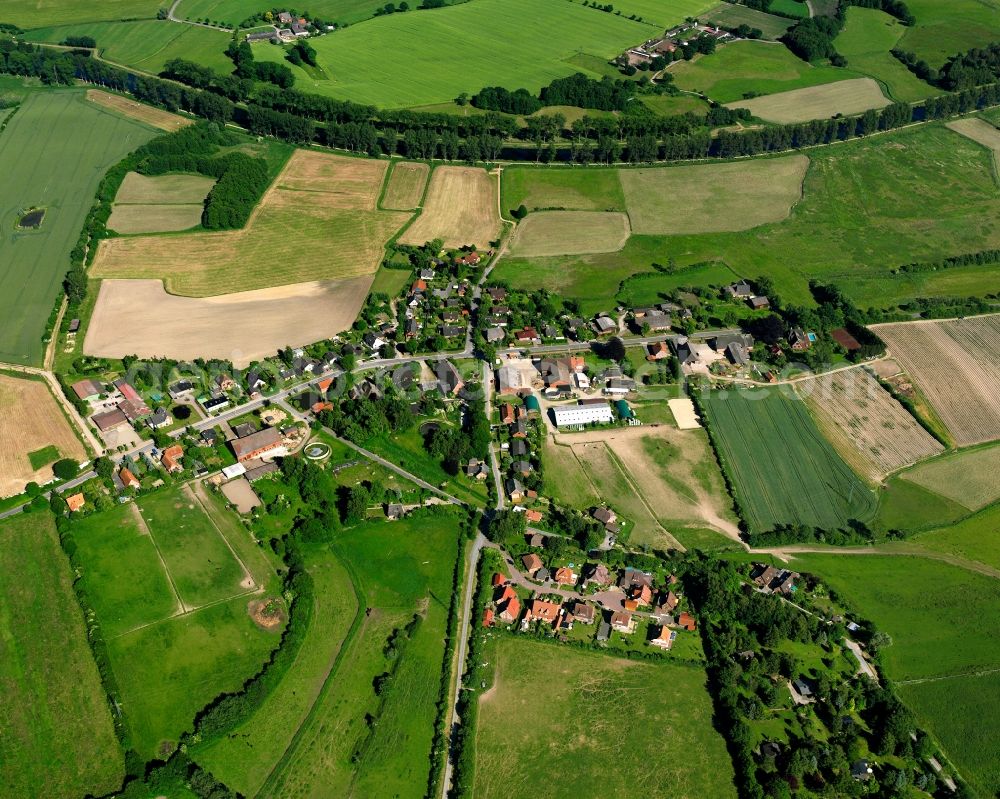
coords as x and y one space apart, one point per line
956 363
870 429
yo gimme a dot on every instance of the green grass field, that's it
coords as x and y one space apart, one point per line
976 538
784 470
43 457
431 57
731 15
749 67
904 505
233 12
170 657
79 142
867 206
399 569
36 13
664 13
57 737
865 42
604 720
794 8
537 189
968 478
946 27
147 44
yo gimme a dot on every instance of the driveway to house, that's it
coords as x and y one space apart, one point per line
864 667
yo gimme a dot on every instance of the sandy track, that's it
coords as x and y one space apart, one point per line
156 117
138 317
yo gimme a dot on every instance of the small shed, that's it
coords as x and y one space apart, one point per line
624 411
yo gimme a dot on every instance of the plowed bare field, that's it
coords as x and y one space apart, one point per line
461 208
870 430
956 363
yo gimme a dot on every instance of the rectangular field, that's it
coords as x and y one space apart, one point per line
156 117
870 429
31 420
570 233
461 208
956 363
844 97
316 222
784 471
730 15
970 478
406 185
609 756
716 197
57 737
79 141
163 189
138 218
395 61
591 189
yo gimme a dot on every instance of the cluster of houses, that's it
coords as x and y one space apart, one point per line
118 407
559 378
438 304
671 41
507 607
774 581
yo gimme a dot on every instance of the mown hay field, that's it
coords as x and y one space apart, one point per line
403 60
405 188
570 232
79 141
316 222
239 327
138 218
956 363
783 469
730 15
156 117
591 189
817 102
30 420
970 478
736 69
57 737
871 430
170 657
460 209
159 203
713 197
585 699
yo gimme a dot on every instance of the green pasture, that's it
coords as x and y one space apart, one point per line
148 44
199 560
908 507
947 27
664 13
430 57
785 472
744 68
731 15
233 12
35 13
868 206
244 759
969 477
57 737
793 8
53 153
398 569
605 720
43 457
865 42
976 538
651 287
592 189
670 104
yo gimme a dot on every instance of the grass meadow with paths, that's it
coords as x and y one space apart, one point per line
53 153
607 722
178 633
867 207
784 471
56 738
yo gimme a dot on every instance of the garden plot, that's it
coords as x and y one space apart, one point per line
870 429
956 363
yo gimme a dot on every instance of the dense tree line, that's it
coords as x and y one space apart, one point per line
577 90
964 71
812 39
247 67
234 196
966 259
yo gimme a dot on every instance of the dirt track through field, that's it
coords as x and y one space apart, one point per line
137 317
181 608
461 209
30 419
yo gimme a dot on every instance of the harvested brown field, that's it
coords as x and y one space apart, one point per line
461 208
153 218
241 327
712 198
981 132
871 430
30 420
163 189
816 102
317 222
155 117
570 233
406 186
956 363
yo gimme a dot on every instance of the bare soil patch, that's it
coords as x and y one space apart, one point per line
156 117
570 233
241 494
461 208
406 186
708 198
30 419
870 429
268 614
241 327
956 363
816 102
